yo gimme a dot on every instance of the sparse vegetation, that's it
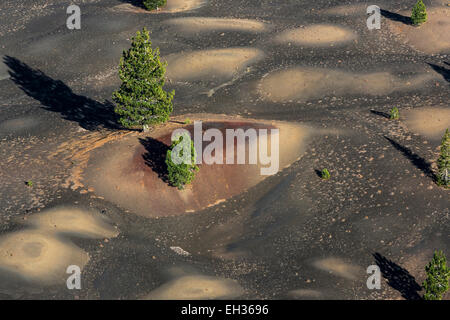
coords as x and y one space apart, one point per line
141 99
154 4
443 162
29 183
183 173
419 13
325 174
187 121
394 114
438 275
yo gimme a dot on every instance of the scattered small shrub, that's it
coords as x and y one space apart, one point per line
153 4
438 275
181 174
29 183
141 99
187 121
394 114
325 174
419 13
443 162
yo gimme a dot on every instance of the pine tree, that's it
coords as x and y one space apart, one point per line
419 13
141 99
154 4
325 174
438 275
183 173
394 114
443 162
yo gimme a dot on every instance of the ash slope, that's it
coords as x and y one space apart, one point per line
292 235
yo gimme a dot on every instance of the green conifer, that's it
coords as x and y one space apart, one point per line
394 114
419 13
183 173
141 99
443 162
438 275
153 4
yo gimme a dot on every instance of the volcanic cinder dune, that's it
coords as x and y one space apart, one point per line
339 267
430 122
39 256
182 5
311 83
197 287
20 124
172 6
205 24
210 65
347 10
431 37
132 173
73 221
42 252
317 35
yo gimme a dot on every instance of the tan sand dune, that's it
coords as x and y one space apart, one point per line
39 256
340 268
305 294
430 122
317 35
302 84
73 221
182 5
42 253
201 24
347 10
210 65
197 287
431 37
172 6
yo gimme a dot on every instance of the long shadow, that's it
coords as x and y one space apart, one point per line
136 3
396 17
56 96
441 70
415 159
398 278
380 113
155 156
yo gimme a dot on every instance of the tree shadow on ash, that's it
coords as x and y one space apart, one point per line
396 17
381 114
56 96
318 172
398 278
155 156
136 3
441 70
415 159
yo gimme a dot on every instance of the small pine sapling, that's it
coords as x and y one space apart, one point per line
181 167
443 162
438 275
419 13
394 114
153 4
325 174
